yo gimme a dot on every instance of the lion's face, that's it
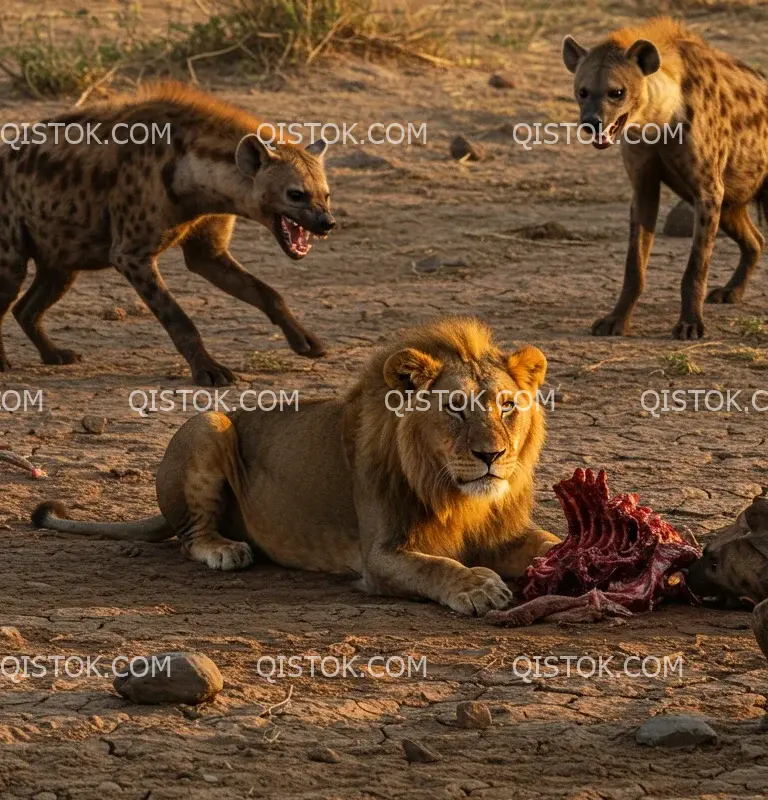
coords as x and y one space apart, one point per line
468 427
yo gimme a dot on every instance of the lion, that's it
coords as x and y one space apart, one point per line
418 493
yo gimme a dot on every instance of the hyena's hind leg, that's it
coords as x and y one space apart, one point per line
48 287
201 458
13 270
737 223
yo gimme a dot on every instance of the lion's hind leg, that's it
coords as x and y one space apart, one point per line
202 457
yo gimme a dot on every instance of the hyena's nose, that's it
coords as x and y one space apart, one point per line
326 222
592 124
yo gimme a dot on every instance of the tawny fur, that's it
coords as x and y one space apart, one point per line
88 206
670 76
425 504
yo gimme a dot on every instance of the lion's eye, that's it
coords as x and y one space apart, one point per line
616 94
583 93
507 407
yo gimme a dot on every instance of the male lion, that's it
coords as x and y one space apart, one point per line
434 502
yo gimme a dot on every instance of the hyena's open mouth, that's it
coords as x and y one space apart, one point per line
294 239
608 136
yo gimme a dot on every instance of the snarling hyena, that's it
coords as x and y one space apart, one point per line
662 74
87 206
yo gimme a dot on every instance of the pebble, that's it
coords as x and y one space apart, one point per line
462 149
45 796
418 753
359 159
674 730
324 755
191 678
500 81
473 715
115 314
94 424
108 789
12 636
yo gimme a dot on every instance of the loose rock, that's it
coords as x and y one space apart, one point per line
679 220
115 314
674 730
434 263
324 755
500 81
45 796
417 753
473 715
189 678
359 159
462 149
12 637
93 424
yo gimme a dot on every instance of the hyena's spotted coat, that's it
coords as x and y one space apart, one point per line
89 206
660 74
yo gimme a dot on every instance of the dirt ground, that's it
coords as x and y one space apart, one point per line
560 737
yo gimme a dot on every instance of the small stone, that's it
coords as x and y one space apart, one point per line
463 150
473 715
109 788
12 636
359 159
210 779
674 730
115 314
501 81
93 424
189 678
44 796
679 221
417 753
434 263
324 755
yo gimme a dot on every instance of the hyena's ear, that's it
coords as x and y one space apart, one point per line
528 366
411 369
252 154
573 52
645 55
317 148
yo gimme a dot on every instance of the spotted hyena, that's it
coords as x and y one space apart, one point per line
662 74
88 206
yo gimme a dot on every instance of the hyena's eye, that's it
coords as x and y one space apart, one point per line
616 94
296 195
583 93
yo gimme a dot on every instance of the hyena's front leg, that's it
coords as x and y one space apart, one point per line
206 252
142 273
642 224
706 223
736 222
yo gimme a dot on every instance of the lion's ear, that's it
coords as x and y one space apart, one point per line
411 369
528 366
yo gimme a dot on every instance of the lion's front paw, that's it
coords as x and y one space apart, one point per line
477 591
224 555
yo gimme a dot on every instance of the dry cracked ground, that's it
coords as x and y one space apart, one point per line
560 737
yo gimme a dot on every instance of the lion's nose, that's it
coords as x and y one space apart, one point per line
488 456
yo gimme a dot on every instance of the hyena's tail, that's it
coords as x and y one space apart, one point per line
54 516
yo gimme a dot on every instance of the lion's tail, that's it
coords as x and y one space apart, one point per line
55 516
